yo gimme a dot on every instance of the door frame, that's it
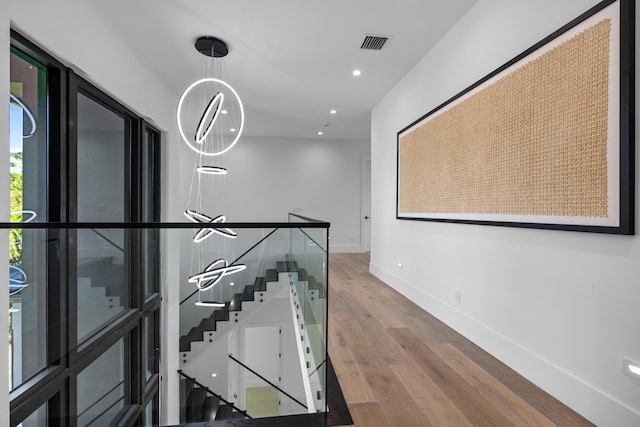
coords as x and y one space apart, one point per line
365 205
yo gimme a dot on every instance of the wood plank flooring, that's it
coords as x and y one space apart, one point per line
398 366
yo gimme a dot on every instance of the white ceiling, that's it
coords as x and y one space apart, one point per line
291 61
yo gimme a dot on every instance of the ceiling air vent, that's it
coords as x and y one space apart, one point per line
374 42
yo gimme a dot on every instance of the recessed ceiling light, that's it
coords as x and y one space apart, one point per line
232 129
320 132
332 112
224 111
356 73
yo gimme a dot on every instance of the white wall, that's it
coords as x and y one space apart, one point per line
267 178
4 210
559 307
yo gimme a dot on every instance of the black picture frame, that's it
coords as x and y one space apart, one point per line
624 208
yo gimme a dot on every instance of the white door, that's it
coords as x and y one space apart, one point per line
366 204
262 351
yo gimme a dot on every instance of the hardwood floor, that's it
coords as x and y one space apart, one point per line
399 366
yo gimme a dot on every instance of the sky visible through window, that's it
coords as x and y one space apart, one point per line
16 125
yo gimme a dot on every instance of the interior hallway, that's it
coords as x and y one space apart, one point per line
399 366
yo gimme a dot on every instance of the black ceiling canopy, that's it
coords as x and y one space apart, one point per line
211 46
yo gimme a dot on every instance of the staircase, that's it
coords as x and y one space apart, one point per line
208 324
201 404
100 283
255 292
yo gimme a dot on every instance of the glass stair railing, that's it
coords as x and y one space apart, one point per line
264 337
259 299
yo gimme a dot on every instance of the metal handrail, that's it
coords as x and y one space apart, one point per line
305 218
318 367
108 240
158 225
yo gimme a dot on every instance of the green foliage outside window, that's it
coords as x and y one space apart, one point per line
15 203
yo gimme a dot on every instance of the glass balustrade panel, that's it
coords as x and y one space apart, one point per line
247 263
310 257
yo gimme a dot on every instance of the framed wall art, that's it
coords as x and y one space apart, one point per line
544 141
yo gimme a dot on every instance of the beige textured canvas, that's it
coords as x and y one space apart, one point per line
533 142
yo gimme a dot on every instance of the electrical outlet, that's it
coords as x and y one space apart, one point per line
458 292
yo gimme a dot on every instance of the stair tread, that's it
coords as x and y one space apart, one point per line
195 334
195 401
247 293
185 389
221 314
287 266
210 409
207 324
271 275
260 284
236 303
225 412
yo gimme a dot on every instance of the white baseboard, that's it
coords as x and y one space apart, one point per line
585 399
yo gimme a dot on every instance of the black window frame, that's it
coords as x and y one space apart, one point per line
55 385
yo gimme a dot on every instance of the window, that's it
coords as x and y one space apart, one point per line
104 387
28 140
37 419
103 193
150 210
84 304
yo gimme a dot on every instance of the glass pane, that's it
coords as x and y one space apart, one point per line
149 257
37 419
28 202
103 141
148 356
150 411
148 174
103 194
258 250
103 387
149 237
28 136
310 259
253 320
102 281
